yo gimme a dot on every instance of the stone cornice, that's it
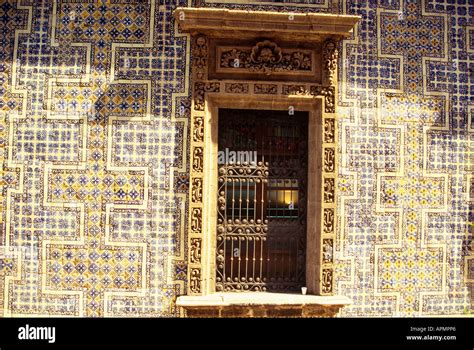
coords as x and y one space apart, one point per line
238 23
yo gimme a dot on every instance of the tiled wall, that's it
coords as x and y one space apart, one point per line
94 144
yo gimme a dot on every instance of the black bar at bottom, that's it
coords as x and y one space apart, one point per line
404 333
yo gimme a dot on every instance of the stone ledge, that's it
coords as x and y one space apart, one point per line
262 305
300 26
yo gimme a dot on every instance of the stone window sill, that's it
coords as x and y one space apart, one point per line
262 305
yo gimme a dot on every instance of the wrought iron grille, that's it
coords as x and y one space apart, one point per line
261 221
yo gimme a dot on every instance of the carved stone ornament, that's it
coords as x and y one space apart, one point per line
266 57
198 132
329 130
327 250
329 190
196 190
196 220
237 88
198 159
195 251
297 90
200 90
327 281
329 160
200 55
328 92
328 220
330 55
270 89
329 97
195 281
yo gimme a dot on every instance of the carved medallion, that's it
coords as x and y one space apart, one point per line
265 57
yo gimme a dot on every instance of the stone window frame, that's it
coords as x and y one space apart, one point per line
321 32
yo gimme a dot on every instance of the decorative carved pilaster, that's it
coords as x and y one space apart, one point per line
330 56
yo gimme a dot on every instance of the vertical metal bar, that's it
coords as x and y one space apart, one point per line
255 205
232 259
233 200
239 260
240 199
254 257
247 200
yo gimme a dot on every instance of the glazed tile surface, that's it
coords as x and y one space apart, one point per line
94 145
